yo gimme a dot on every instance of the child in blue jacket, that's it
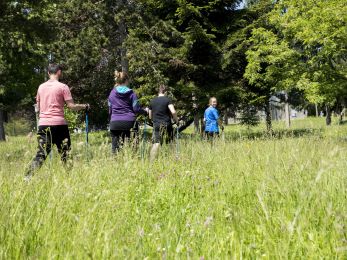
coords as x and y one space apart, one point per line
211 119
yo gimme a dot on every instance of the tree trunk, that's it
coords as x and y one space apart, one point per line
2 127
328 117
268 117
226 115
196 124
316 106
202 128
287 111
123 52
196 116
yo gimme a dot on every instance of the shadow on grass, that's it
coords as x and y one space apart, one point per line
103 137
263 135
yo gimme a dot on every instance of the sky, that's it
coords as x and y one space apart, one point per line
242 5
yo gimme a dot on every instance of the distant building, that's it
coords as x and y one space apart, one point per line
277 112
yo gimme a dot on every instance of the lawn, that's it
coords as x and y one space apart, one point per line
247 195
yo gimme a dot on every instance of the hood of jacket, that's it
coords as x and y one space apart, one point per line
123 91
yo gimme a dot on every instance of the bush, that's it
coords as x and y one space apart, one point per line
73 119
19 126
249 116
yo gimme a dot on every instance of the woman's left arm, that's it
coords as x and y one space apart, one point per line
136 105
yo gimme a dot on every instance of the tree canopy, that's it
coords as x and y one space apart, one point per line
198 48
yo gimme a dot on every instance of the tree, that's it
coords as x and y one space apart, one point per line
179 43
246 96
317 31
84 42
295 44
272 66
24 31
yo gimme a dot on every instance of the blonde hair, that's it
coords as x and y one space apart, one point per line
210 101
120 77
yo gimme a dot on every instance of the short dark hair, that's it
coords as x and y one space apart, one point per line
54 68
162 89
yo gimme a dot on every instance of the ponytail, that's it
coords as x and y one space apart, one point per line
120 77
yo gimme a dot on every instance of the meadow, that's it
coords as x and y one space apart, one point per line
247 195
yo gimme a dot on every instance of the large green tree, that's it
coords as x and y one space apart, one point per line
301 44
24 33
272 67
179 43
318 31
240 93
82 43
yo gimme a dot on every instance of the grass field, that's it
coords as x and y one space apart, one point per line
247 196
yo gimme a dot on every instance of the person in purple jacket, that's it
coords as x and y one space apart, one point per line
123 108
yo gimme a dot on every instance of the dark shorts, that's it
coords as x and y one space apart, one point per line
211 134
162 133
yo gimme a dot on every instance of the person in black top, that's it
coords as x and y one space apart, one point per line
161 110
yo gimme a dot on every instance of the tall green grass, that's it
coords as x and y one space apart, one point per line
248 195
18 126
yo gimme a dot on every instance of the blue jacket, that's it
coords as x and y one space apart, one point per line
211 120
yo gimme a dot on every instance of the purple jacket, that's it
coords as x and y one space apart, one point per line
123 104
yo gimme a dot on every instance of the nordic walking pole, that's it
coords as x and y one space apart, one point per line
177 143
87 130
37 114
144 139
223 134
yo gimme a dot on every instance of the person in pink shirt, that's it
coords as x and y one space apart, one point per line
51 97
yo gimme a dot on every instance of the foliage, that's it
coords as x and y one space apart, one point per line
82 43
236 51
18 126
180 46
73 118
271 63
317 29
198 48
24 31
249 116
291 44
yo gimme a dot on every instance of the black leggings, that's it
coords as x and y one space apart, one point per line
46 137
120 131
118 139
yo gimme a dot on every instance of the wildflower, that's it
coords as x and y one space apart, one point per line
208 221
141 232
